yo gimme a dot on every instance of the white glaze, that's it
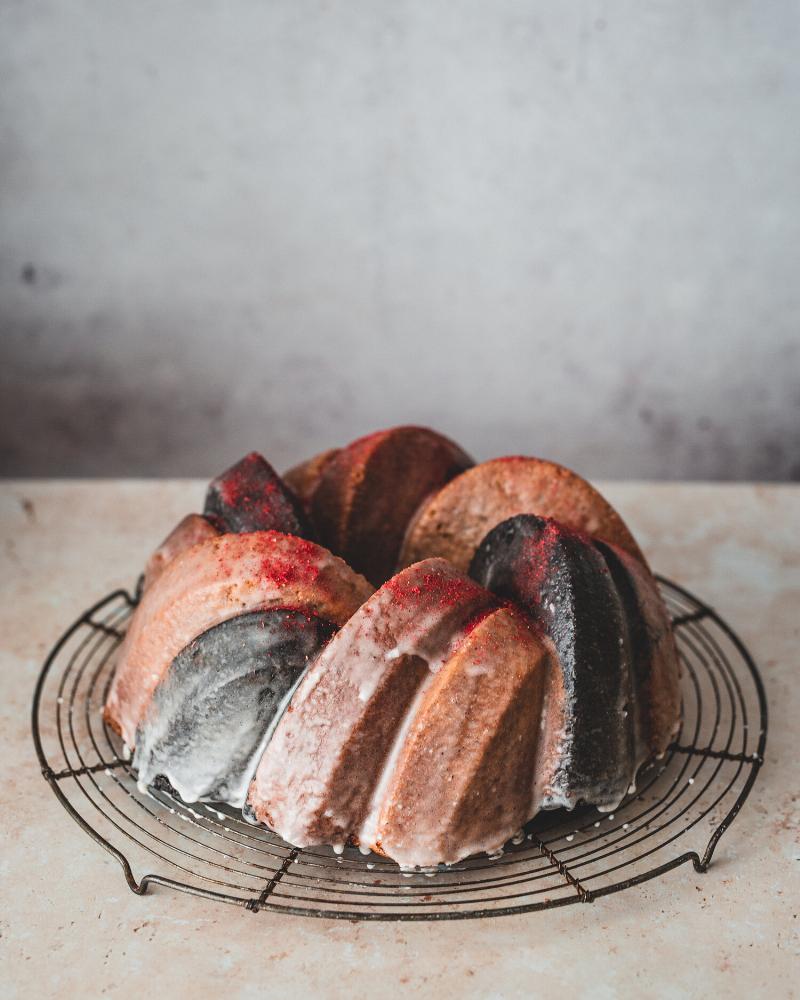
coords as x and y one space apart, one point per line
297 783
368 832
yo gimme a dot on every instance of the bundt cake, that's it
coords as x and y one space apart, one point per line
516 654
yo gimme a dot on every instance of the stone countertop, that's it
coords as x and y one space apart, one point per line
70 927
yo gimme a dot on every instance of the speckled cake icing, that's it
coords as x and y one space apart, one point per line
427 720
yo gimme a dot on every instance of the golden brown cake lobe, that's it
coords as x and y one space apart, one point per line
451 523
322 767
304 478
368 492
464 777
192 529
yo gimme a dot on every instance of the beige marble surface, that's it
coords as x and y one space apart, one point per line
70 927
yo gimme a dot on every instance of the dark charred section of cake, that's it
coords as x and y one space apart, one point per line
251 496
642 642
162 784
476 730
655 670
217 702
563 582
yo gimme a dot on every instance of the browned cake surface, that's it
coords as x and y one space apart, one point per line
322 766
452 523
656 658
302 479
192 529
369 490
464 780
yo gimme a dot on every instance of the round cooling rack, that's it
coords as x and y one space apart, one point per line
682 806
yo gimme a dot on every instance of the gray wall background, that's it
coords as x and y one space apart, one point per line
568 229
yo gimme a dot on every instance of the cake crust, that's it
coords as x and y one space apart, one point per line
368 492
463 780
452 522
192 529
304 478
322 768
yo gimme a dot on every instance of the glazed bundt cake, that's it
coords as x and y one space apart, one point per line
516 654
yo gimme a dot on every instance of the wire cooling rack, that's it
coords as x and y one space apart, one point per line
682 806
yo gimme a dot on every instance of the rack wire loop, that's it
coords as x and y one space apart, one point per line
681 807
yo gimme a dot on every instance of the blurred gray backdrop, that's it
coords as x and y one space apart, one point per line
564 229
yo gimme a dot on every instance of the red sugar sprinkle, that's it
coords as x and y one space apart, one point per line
252 487
476 620
236 483
537 553
295 563
436 587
